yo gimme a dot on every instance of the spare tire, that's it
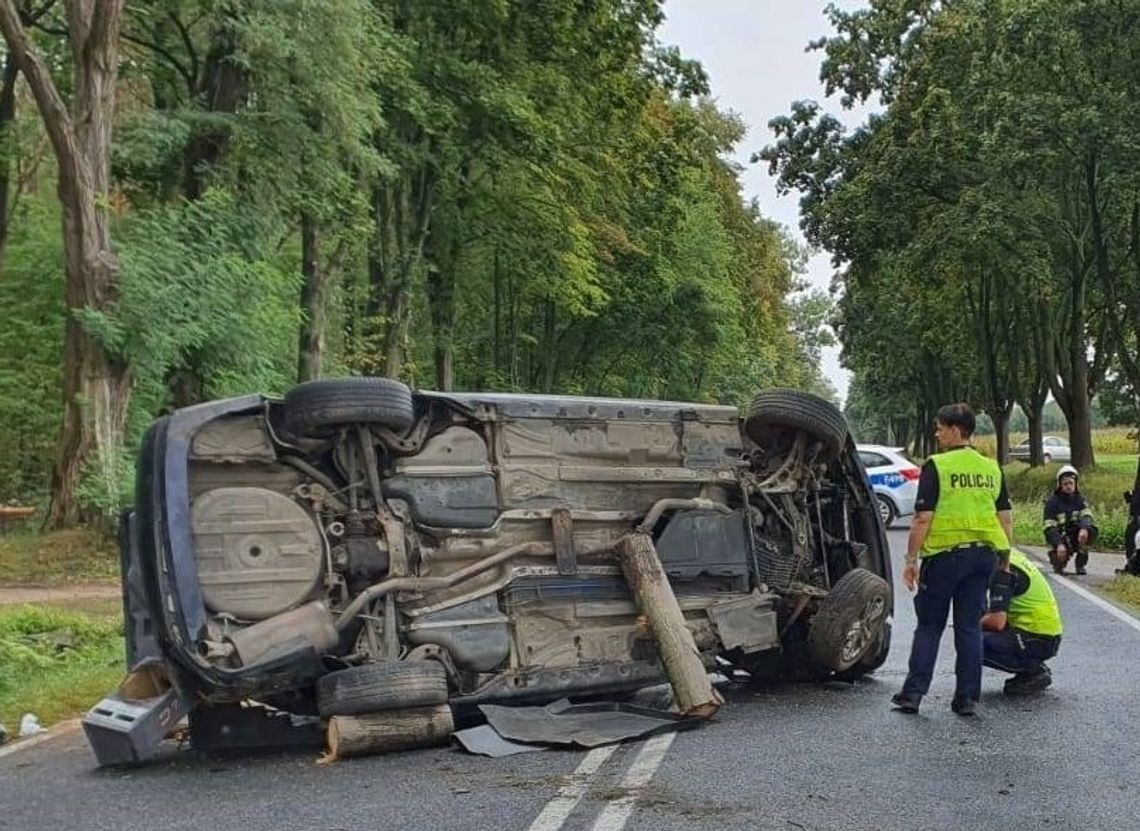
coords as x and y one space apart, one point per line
849 626
775 411
316 406
388 685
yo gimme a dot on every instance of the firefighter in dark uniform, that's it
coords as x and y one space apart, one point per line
1132 530
1022 629
1069 527
962 526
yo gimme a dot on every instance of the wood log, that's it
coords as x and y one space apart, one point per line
15 512
650 585
389 731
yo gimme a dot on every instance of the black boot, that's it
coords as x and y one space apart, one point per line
1028 683
1082 560
1057 563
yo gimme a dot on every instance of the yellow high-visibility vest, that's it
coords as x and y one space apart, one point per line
1035 610
968 486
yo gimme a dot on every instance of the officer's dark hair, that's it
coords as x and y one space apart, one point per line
958 415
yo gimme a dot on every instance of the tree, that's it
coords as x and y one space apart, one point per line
1002 168
96 383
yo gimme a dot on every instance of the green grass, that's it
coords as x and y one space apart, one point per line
1123 464
1103 487
57 662
1028 527
1124 589
78 555
1119 441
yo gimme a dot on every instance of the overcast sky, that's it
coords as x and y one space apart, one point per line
753 51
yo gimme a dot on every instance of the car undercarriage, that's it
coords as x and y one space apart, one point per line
356 547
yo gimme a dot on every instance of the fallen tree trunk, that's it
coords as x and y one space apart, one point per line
389 731
647 579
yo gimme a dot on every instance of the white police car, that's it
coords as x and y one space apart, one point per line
894 478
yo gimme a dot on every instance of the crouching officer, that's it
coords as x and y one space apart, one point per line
1069 526
1022 629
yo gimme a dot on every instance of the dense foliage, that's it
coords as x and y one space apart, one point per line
483 194
985 220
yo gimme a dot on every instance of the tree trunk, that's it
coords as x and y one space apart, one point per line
396 332
1079 417
1034 414
224 86
389 731
96 385
655 598
402 218
7 122
1072 396
1000 419
549 351
314 291
441 299
497 361
186 385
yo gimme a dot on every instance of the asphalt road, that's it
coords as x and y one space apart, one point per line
806 757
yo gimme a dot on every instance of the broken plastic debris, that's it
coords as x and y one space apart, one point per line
30 725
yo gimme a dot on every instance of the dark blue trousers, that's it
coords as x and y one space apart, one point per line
959 577
1018 652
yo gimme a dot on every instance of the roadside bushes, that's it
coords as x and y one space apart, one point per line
1110 522
1107 441
1029 487
55 663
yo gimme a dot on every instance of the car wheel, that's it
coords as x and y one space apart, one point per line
849 624
886 510
874 659
774 411
316 406
388 685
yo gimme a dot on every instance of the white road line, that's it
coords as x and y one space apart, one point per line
558 809
1096 600
615 815
1091 597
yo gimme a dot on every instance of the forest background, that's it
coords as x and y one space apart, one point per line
540 197
467 195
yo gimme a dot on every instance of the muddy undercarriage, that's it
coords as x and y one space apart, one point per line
358 548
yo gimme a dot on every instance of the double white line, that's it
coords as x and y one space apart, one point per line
617 811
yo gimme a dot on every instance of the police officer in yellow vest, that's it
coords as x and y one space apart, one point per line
1022 629
962 524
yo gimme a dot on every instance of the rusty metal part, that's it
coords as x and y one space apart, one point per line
311 471
663 505
797 610
564 553
319 497
370 466
435 652
785 478
313 622
397 543
410 443
532 549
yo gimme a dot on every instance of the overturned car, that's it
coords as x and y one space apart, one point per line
356 547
